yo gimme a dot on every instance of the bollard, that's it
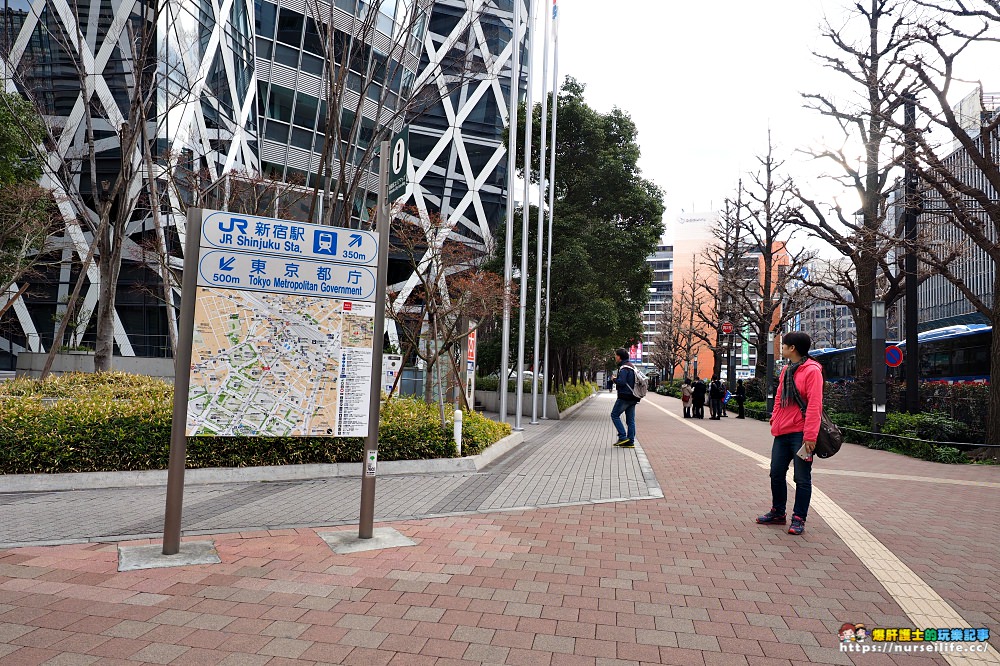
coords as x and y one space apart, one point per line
458 431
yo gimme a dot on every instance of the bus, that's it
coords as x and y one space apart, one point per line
951 354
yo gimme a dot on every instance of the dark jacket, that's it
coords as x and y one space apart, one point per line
699 392
741 393
625 383
716 392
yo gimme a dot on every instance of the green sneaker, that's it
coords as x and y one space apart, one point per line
623 441
627 444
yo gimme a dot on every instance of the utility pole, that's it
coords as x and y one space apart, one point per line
910 264
770 372
878 365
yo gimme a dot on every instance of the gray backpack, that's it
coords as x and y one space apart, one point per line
641 381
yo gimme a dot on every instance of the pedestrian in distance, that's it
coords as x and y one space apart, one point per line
698 398
726 395
686 392
741 397
794 433
626 402
715 393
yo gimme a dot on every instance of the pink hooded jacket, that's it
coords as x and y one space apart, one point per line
788 418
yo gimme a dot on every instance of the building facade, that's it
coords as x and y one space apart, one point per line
241 97
660 298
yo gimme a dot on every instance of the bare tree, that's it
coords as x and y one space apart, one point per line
668 348
961 180
768 281
871 56
690 302
452 291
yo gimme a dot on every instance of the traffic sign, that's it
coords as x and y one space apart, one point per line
285 275
728 328
268 235
399 157
893 356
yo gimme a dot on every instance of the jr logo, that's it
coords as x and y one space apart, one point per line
325 242
234 223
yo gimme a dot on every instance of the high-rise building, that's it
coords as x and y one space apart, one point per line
660 297
241 95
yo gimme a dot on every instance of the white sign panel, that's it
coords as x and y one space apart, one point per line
265 235
284 275
283 334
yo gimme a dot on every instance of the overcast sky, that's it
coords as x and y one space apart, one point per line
703 82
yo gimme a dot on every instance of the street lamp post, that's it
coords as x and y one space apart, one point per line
770 372
878 365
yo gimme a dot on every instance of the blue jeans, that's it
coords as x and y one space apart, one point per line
628 407
783 452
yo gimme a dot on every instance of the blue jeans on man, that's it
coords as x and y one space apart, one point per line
628 408
783 452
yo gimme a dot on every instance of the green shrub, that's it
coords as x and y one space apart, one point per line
113 421
756 409
932 426
574 393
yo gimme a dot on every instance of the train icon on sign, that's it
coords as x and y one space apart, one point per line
325 242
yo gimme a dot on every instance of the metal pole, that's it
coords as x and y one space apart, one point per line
910 263
367 516
508 271
182 383
523 310
541 218
878 365
770 372
552 203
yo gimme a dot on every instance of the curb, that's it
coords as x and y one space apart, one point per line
33 483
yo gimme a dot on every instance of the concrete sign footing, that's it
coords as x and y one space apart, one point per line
133 558
345 542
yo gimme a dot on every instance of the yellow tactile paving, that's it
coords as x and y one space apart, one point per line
919 601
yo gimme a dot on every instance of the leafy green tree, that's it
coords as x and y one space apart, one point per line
607 222
21 130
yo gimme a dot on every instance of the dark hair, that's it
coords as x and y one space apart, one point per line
739 381
622 353
801 341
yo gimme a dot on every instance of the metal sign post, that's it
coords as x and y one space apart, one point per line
182 383
367 516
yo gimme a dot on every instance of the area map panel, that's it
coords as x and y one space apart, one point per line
279 365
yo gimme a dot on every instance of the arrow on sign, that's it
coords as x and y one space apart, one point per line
355 240
226 264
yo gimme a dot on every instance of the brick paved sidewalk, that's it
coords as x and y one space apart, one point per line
560 462
683 579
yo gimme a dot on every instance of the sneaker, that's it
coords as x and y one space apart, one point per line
772 517
798 525
622 441
627 444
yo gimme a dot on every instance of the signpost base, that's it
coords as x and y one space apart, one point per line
133 558
346 541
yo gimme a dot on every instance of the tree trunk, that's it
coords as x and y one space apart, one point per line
109 268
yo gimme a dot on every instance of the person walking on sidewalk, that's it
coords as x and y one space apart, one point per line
741 397
793 431
626 402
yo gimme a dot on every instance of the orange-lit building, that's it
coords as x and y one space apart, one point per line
692 237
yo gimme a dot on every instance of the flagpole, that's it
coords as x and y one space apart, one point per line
541 218
523 310
552 196
515 87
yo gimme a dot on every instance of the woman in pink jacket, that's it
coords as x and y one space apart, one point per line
794 433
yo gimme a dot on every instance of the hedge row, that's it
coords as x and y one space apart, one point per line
114 421
574 393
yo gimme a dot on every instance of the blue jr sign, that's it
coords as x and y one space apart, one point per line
265 235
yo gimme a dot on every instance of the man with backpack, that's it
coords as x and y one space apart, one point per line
795 424
631 385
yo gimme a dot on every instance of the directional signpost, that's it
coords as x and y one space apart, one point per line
277 334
